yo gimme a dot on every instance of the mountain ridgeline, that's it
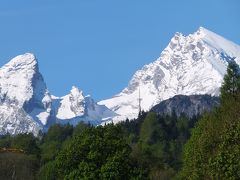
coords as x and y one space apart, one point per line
189 65
188 105
189 127
26 105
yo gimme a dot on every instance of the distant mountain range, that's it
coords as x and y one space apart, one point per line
27 106
189 65
193 64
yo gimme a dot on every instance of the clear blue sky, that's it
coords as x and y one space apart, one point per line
97 45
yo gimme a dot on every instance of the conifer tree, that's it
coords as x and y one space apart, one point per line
231 85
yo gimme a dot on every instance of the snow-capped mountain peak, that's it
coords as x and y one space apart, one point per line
219 43
76 92
27 60
27 106
71 105
16 78
189 65
75 107
193 64
23 90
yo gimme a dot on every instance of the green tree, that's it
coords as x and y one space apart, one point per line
18 166
225 164
80 128
150 131
5 141
96 153
48 171
53 140
231 84
26 142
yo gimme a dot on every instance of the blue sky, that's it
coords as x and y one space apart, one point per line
97 45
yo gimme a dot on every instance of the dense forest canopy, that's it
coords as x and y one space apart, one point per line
149 146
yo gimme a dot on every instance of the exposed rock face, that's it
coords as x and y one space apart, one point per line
188 105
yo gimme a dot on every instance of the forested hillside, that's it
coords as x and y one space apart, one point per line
213 151
147 147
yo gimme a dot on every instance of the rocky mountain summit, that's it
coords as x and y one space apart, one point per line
189 65
27 106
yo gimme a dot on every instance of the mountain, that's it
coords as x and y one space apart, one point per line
189 105
189 65
193 64
27 106
76 107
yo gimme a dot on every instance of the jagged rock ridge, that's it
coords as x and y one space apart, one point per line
27 106
193 64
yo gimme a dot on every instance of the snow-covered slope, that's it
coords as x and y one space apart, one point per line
27 106
71 105
193 64
76 107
